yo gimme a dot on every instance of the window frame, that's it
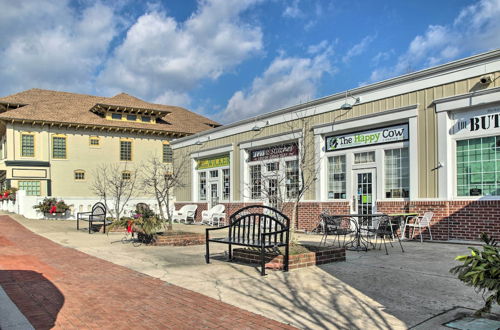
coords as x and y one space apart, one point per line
21 144
75 172
30 181
345 186
131 150
384 176
59 136
95 138
164 144
124 173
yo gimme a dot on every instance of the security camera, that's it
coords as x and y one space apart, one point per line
485 80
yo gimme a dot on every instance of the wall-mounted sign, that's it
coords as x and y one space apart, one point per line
477 121
367 138
203 164
282 150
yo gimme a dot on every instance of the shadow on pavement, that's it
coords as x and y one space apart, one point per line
34 295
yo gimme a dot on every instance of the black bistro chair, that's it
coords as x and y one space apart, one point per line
98 214
336 226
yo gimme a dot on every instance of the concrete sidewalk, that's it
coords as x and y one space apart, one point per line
370 290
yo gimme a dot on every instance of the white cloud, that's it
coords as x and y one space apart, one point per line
287 81
475 29
358 48
53 46
176 98
293 10
161 54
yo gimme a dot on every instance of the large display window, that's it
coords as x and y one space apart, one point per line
214 179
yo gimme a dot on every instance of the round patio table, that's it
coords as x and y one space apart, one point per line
359 243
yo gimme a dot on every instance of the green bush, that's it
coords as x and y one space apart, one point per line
47 203
481 270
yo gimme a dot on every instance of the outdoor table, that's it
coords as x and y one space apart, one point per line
359 243
403 220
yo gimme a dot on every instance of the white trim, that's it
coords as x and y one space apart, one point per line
368 121
458 70
413 158
212 151
271 140
468 100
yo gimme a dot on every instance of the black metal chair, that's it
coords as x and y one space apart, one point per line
386 228
98 214
336 226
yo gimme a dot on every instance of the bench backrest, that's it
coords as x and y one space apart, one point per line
248 223
99 210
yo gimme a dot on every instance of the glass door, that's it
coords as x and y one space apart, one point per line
364 192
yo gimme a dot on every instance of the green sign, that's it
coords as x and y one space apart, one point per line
203 164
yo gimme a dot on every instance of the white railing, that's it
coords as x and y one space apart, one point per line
24 205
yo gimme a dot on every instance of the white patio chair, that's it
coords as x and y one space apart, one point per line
210 217
420 222
184 213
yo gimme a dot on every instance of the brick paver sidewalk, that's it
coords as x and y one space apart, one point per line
59 287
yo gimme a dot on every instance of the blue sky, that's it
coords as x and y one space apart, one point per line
232 59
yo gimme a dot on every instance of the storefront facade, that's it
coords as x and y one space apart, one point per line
427 141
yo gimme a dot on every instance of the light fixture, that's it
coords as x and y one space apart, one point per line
257 128
347 105
199 142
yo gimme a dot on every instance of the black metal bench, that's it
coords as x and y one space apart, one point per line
98 214
255 226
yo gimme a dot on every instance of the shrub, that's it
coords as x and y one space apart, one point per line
47 205
481 270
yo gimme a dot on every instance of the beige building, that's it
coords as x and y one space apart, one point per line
52 142
424 141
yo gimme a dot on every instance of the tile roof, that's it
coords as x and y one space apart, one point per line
70 108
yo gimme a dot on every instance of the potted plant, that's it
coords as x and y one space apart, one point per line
146 224
51 206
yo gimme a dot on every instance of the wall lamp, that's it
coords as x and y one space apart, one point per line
258 128
347 105
199 142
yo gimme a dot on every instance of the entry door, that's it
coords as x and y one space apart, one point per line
214 194
364 192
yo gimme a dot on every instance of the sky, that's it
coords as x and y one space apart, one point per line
233 59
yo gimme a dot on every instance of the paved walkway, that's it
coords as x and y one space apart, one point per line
60 287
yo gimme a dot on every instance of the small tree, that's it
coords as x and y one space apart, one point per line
116 184
161 179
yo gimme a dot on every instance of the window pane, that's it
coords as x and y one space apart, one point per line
167 153
364 157
146 119
397 173
203 185
116 116
132 117
226 190
255 181
478 164
337 177
126 176
292 178
79 175
58 147
125 150
94 141
27 145
32 188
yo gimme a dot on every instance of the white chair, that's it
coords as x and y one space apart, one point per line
184 213
215 214
420 222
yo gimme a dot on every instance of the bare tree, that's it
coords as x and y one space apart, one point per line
115 184
161 179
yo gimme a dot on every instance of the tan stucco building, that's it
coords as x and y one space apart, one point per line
52 142
424 141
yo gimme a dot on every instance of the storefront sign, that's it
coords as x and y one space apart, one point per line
282 150
367 138
203 164
477 121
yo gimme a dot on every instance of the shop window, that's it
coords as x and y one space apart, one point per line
125 150
32 188
397 173
478 167
292 178
273 167
126 175
255 181
337 177
364 157
226 181
203 186
214 174
167 153
59 147
79 175
27 145
94 141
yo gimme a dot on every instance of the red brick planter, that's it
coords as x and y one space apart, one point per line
274 261
179 239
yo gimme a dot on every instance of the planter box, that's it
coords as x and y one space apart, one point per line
317 256
179 239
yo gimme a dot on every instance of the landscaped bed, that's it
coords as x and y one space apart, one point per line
300 256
